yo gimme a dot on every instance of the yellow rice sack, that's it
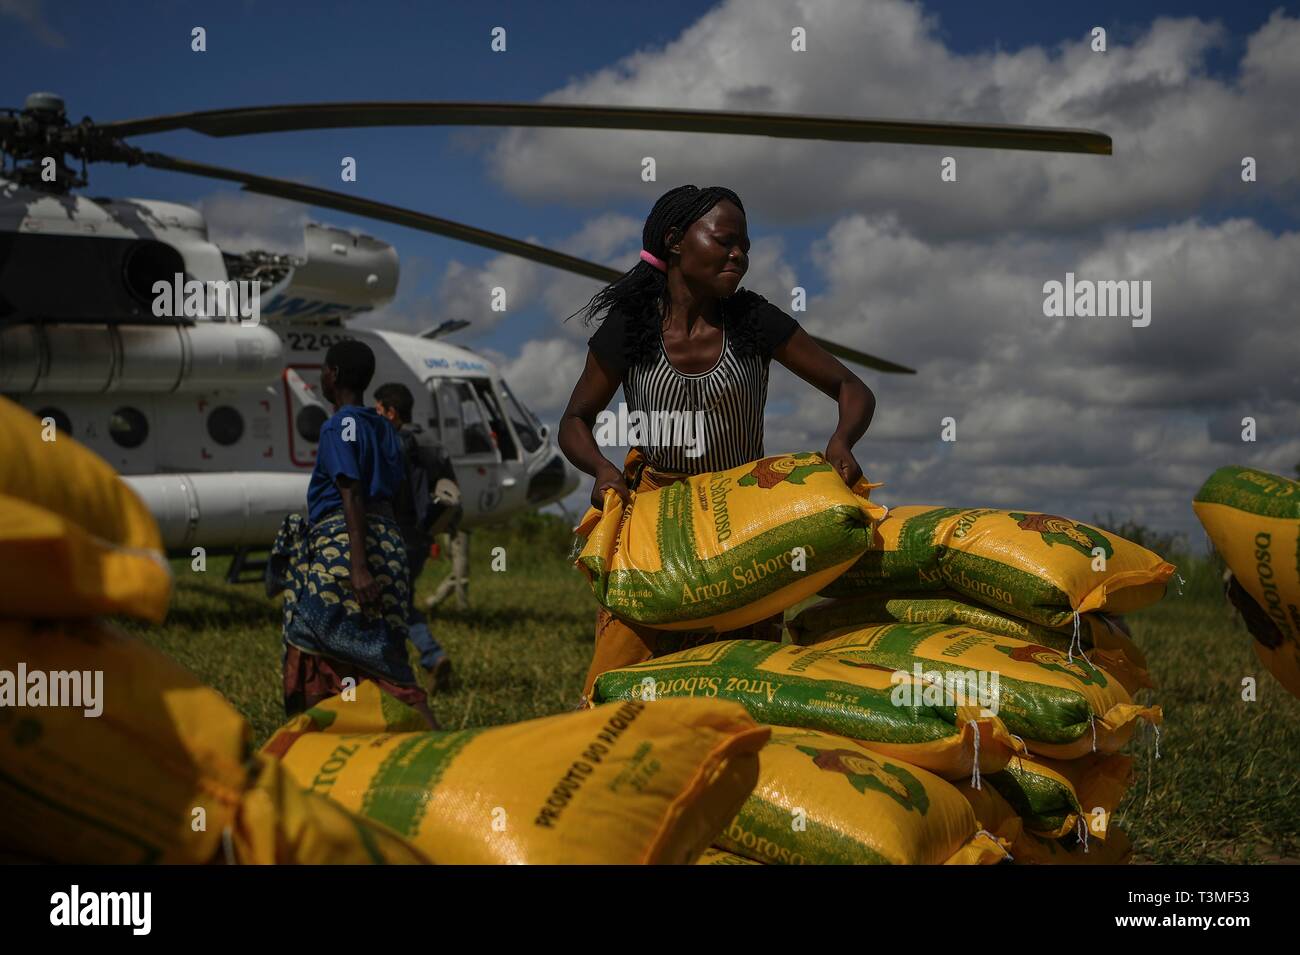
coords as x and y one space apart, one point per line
75 541
162 774
723 550
824 799
713 856
1063 708
1039 850
992 812
821 689
627 783
1052 797
280 823
1108 645
1253 518
122 786
1040 567
996 816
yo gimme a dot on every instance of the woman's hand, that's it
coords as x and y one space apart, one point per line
609 477
840 457
354 515
365 587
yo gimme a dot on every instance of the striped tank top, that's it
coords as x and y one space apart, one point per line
692 423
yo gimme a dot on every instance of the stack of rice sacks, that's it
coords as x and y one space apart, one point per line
962 695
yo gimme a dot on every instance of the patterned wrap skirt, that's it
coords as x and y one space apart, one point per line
327 635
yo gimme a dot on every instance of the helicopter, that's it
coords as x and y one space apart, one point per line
212 418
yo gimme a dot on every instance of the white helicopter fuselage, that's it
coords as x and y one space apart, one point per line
214 420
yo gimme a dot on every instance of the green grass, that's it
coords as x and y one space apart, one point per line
520 651
1225 789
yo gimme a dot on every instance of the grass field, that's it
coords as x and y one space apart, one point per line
1225 789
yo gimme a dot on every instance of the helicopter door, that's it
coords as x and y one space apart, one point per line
445 424
467 434
515 445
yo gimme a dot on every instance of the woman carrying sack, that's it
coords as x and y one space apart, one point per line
680 336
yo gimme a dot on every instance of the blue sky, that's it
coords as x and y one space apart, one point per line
110 64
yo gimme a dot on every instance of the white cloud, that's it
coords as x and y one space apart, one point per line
241 221
466 291
543 374
1179 133
1078 415
1220 317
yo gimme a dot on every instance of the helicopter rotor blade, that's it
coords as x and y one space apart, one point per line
846 353
249 120
311 195
324 198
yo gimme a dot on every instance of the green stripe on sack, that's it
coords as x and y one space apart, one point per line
675 534
914 566
943 608
399 793
1006 588
764 830
921 565
1255 492
782 699
1036 711
1042 802
829 537
916 542
321 718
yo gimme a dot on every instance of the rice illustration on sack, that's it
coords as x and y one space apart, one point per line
769 472
865 773
1062 530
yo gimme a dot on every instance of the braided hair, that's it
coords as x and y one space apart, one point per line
641 293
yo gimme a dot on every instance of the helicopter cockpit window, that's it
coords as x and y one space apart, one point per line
309 421
433 421
498 420
526 425
478 437
226 425
128 427
448 430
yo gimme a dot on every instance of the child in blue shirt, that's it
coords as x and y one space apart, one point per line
347 600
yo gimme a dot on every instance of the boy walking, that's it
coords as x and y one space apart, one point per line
425 505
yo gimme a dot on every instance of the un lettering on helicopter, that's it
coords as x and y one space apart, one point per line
214 420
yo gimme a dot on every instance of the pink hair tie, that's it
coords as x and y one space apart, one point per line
658 263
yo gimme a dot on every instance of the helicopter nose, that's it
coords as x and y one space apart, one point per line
553 481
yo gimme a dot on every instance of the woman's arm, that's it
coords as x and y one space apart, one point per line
825 372
591 395
354 514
